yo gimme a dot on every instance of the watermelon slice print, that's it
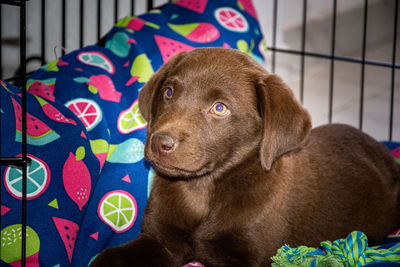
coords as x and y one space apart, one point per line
97 59
38 133
201 32
68 231
53 113
38 179
169 47
231 19
76 178
42 88
194 5
87 111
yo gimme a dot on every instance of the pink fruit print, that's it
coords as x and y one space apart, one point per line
169 47
197 32
53 113
105 86
38 133
396 154
231 19
247 6
87 110
138 23
68 231
76 178
43 88
194 5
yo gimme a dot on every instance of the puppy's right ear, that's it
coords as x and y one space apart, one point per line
148 92
286 122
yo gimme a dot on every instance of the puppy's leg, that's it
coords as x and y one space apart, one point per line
230 250
141 252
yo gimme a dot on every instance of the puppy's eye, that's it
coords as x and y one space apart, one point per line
168 93
220 109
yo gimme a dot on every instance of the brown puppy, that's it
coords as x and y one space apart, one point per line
239 174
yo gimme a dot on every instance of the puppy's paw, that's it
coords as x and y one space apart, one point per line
141 252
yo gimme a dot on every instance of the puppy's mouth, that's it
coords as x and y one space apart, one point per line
178 172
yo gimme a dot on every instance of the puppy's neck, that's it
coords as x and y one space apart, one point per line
196 195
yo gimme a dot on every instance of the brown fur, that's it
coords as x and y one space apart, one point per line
230 191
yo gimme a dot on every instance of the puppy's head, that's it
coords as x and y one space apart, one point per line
209 109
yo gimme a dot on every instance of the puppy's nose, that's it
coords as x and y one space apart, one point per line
162 143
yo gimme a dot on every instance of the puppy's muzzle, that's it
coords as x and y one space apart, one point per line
162 144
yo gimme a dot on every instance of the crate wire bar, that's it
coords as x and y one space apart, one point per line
332 57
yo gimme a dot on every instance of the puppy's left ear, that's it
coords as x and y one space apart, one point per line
286 122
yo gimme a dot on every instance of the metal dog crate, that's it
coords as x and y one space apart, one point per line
268 16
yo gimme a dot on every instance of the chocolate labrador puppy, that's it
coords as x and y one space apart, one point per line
239 173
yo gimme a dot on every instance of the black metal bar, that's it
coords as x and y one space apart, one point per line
63 27
303 48
364 46
115 10
15 161
43 33
274 27
332 68
392 83
24 128
150 4
16 78
98 19
13 2
81 13
340 58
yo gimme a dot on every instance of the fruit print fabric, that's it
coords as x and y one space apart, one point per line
96 170
47 196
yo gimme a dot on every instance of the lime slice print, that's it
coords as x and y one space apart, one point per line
130 119
11 239
87 111
38 179
231 19
118 210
